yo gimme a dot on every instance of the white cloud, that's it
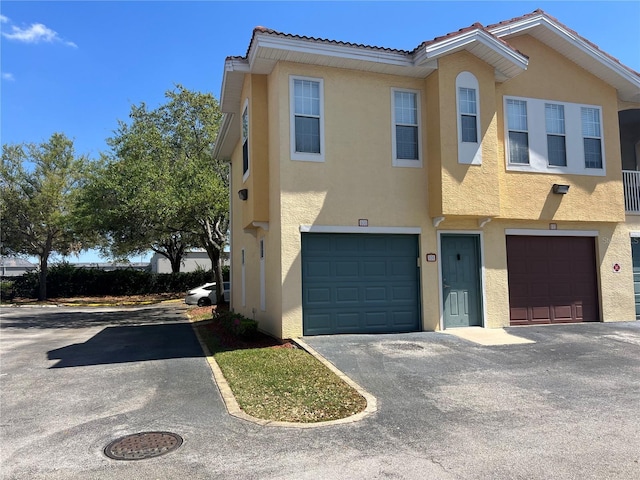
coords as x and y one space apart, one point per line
8 76
4 19
36 33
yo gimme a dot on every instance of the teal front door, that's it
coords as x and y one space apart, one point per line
461 287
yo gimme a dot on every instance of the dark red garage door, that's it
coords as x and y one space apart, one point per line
552 279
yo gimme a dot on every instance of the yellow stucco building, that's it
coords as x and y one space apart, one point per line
475 180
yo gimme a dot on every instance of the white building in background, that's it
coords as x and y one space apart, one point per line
192 261
14 266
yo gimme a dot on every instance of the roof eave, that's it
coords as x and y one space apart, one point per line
622 78
264 41
234 70
516 63
223 147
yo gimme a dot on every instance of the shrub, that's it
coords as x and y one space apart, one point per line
65 280
26 285
7 291
237 324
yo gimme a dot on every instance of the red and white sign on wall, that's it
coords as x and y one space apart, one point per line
616 267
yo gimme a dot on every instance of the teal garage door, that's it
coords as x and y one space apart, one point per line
359 283
635 253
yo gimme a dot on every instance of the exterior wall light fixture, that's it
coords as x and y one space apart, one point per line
560 189
243 194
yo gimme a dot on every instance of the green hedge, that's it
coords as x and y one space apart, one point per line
6 290
66 280
237 324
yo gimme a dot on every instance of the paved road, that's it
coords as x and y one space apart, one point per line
74 379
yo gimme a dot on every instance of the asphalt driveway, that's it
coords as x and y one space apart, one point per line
72 380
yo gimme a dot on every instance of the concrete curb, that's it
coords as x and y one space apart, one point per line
234 409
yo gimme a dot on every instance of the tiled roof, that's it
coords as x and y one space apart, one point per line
475 26
327 41
479 26
555 20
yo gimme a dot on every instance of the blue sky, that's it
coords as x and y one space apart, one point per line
77 67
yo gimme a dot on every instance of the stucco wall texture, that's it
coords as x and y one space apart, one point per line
357 180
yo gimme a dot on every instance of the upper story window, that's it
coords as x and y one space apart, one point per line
591 137
468 119
406 128
518 131
556 141
307 123
245 141
553 137
468 115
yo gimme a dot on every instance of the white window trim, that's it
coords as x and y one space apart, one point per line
348 229
536 124
535 232
302 156
396 162
594 138
469 153
245 175
516 130
263 283
564 135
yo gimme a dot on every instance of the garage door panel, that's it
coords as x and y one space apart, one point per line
562 289
320 295
559 283
345 268
564 312
375 319
537 267
376 294
359 283
317 245
347 320
344 244
403 293
347 294
540 313
317 322
376 245
399 268
318 270
538 290
374 268
404 319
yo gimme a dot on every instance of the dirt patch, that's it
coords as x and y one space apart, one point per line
103 300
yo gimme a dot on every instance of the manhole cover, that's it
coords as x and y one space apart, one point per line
143 445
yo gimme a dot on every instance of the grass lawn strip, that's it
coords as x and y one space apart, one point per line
279 386
284 384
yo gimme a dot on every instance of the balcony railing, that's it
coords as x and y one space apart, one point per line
631 181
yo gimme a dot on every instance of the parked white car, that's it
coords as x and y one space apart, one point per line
205 295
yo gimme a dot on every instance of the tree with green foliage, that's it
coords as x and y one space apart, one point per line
38 194
160 187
